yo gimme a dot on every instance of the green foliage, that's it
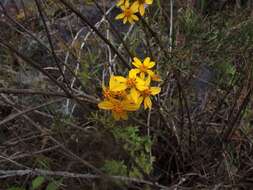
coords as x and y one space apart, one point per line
43 162
248 122
189 22
138 147
60 122
107 120
37 182
54 185
84 74
225 73
133 141
114 167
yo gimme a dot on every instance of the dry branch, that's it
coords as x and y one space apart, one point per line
36 172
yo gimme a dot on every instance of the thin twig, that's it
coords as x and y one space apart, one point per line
37 172
81 96
148 133
114 30
14 116
31 92
50 42
171 25
53 148
86 21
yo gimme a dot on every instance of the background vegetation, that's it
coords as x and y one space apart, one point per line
54 56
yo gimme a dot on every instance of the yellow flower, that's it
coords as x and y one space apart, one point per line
147 93
144 68
141 4
132 82
119 108
119 83
108 94
128 13
120 2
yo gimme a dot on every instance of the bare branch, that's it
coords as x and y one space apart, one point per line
79 14
14 116
12 173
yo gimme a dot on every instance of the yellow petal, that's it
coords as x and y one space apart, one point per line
119 16
140 100
130 20
137 3
149 2
146 61
124 20
134 7
130 106
147 103
127 3
134 94
118 87
150 73
142 75
141 87
119 79
112 80
148 81
155 90
140 84
133 72
137 63
123 8
134 17
117 83
105 105
149 64
120 2
142 9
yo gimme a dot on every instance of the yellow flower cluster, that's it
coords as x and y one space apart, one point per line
130 9
126 94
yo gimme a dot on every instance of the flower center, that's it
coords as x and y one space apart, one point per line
128 12
131 82
143 68
120 94
107 93
141 1
146 92
118 109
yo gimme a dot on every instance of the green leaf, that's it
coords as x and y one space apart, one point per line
54 185
114 167
37 182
